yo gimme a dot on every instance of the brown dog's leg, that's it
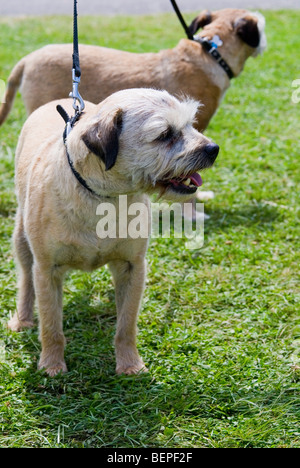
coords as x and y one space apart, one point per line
129 282
48 287
23 318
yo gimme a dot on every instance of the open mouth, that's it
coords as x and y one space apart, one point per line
184 185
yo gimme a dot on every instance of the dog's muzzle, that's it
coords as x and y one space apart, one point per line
188 184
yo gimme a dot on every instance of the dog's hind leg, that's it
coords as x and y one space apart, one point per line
23 318
129 280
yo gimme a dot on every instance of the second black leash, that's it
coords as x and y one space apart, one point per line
208 45
181 19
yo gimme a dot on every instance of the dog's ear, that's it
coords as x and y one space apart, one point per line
200 21
103 140
247 30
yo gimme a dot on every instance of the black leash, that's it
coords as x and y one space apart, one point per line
76 63
76 72
78 103
209 46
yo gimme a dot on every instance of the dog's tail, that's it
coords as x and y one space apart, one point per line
14 82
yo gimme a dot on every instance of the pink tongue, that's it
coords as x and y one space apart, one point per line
196 179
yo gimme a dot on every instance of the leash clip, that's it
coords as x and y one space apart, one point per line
75 94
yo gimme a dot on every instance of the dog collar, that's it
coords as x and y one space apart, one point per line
70 122
211 47
78 176
81 179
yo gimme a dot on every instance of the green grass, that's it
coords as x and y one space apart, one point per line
219 328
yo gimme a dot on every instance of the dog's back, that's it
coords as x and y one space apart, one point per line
44 75
184 70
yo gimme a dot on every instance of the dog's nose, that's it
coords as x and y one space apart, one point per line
211 150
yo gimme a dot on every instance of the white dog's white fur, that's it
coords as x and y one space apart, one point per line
136 142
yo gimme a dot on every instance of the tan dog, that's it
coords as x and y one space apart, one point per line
134 143
185 70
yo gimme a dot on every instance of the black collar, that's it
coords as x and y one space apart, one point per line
78 176
81 179
211 48
70 122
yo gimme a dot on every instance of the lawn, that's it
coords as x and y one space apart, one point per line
219 328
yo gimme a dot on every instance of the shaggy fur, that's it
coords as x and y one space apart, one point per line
135 143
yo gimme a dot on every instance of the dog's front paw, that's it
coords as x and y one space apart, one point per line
17 325
53 369
131 368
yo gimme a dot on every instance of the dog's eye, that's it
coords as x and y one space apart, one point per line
166 135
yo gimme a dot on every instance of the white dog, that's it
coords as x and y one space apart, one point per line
134 143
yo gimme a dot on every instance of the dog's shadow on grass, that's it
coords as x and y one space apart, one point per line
98 408
90 400
246 216
93 406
